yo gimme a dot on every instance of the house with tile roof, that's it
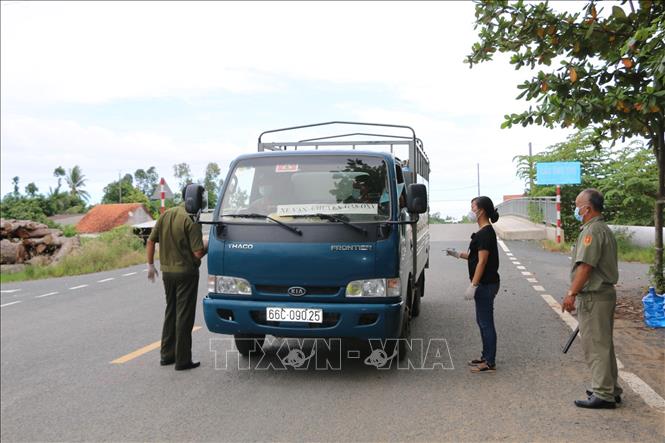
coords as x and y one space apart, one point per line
102 218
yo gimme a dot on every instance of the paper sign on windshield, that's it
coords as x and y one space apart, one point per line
334 208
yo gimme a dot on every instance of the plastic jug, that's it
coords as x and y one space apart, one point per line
654 309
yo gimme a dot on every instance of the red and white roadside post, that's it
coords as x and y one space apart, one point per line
558 214
162 208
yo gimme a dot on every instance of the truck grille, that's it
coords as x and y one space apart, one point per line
311 290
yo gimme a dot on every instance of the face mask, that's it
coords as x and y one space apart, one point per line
385 198
355 194
577 215
472 217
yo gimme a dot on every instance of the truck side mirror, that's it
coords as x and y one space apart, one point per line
416 198
194 199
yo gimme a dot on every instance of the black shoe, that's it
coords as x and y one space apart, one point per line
595 403
167 362
617 398
190 365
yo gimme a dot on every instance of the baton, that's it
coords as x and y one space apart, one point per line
571 339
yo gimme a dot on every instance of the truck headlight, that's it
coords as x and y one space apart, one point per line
228 285
378 287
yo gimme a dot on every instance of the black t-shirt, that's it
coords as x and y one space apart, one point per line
484 239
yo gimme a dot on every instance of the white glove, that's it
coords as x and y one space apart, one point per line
470 292
452 253
152 272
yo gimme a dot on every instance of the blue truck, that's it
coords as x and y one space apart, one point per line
322 237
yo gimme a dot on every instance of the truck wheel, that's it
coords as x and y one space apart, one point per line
248 342
420 292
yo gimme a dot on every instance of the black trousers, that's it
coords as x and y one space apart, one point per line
181 294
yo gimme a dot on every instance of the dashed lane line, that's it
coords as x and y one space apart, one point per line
78 287
523 268
129 273
639 386
11 303
106 279
144 350
46 295
8 291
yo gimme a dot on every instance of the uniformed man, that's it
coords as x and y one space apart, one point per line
594 274
180 252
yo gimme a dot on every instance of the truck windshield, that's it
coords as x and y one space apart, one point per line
290 188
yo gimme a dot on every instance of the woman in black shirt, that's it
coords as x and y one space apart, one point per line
483 264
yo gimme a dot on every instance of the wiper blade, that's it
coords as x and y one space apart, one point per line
341 219
334 218
266 217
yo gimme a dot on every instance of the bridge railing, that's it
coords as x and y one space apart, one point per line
537 209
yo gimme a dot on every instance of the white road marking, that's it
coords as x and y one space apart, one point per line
532 280
78 287
145 270
106 279
45 295
9 304
9 291
539 288
521 267
526 273
129 273
517 263
639 386
513 259
503 246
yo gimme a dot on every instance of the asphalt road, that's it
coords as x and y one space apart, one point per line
58 382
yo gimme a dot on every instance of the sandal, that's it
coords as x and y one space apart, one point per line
476 362
484 367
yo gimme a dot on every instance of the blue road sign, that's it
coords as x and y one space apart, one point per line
559 173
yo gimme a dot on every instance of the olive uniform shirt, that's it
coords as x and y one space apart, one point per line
178 237
597 247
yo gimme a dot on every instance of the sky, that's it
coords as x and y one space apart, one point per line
118 86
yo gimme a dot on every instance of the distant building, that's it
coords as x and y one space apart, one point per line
103 218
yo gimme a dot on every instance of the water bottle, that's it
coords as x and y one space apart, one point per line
654 309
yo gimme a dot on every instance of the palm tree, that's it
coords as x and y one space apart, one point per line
76 180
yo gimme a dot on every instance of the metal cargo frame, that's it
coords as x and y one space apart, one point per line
418 162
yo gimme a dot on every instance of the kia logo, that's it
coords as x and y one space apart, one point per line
297 291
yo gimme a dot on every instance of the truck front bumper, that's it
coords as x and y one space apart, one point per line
358 320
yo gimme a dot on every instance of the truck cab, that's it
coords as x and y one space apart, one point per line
320 238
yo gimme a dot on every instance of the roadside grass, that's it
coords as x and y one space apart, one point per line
115 249
626 250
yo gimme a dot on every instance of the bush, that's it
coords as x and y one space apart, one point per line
69 230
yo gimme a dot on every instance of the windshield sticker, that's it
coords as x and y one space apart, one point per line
286 168
339 208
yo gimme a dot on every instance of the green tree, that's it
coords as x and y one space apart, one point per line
609 78
124 189
15 181
627 178
31 189
183 173
211 182
76 181
147 180
58 173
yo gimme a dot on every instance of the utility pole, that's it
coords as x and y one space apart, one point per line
478 174
530 170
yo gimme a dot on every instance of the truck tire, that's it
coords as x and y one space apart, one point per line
420 292
245 343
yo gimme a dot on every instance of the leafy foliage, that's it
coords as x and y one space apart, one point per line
183 173
601 70
76 180
627 177
124 191
211 182
147 180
